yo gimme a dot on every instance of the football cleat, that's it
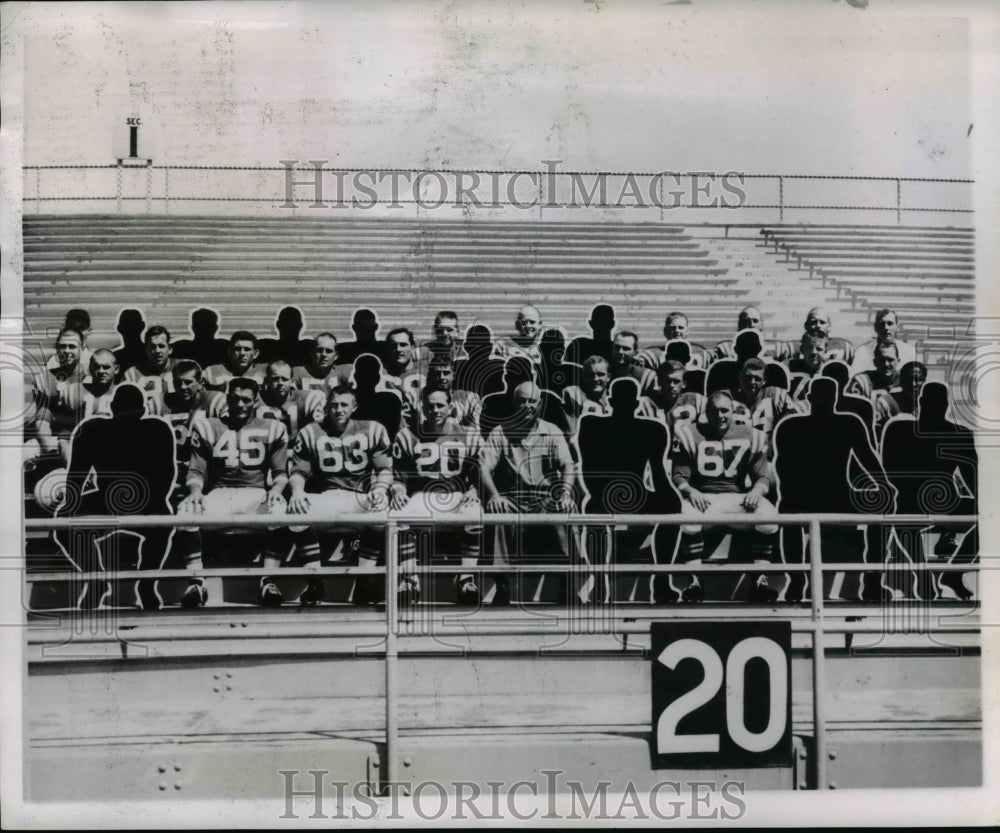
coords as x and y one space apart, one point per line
501 596
762 592
467 594
694 592
270 595
408 592
946 543
957 584
314 593
195 595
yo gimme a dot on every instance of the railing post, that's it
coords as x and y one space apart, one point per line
781 199
899 204
391 656
819 675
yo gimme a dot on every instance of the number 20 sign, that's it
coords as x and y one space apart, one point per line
721 694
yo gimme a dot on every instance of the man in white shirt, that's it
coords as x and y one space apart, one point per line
886 329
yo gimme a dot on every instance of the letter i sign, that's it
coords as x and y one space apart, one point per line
721 694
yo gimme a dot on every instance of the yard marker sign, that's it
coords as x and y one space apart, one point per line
721 694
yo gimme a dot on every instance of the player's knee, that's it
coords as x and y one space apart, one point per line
690 529
766 529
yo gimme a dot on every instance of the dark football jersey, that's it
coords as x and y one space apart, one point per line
689 407
299 409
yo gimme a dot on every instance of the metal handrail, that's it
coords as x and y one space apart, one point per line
393 522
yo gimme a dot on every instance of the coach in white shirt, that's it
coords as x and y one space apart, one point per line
886 326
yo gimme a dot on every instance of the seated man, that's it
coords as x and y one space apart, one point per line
232 458
670 404
240 363
399 368
527 467
675 328
437 470
153 374
591 397
342 465
623 363
885 377
818 323
445 341
280 400
886 325
465 405
756 403
178 407
904 401
322 372
748 344
524 342
66 404
721 466
805 365
77 320
750 318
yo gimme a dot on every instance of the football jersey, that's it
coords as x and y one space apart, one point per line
174 410
771 405
299 409
869 385
576 403
644 377
653 357
153 384
466 408
689 407
69 403
837 349
408 385
798 382
217 376
226 456
304 379
345 462
731 463
505 348
888 405
449 459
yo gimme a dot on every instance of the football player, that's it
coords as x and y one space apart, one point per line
886 325
885 376
721 466
903 401
465 405
365 326
591 396
79 321
670 404
130 326
446 340
178 407
400 370
287 346
623 363
233 456
808 360
818 324
153 374
341 464
524 342
68 403
280 400
598 343
437 471
757 404
241 356
675 328
750 318
321 372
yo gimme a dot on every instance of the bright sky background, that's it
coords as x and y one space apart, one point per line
814 87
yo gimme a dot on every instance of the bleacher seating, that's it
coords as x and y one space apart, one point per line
247 269
925 274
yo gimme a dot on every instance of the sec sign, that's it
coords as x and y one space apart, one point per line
721 694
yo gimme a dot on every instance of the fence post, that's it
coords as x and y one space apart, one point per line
781 200
899 204
819 676
391 653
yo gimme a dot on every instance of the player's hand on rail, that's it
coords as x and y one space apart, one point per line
378 499
500 504
298 504
751 500
397 497
698 500
191 505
